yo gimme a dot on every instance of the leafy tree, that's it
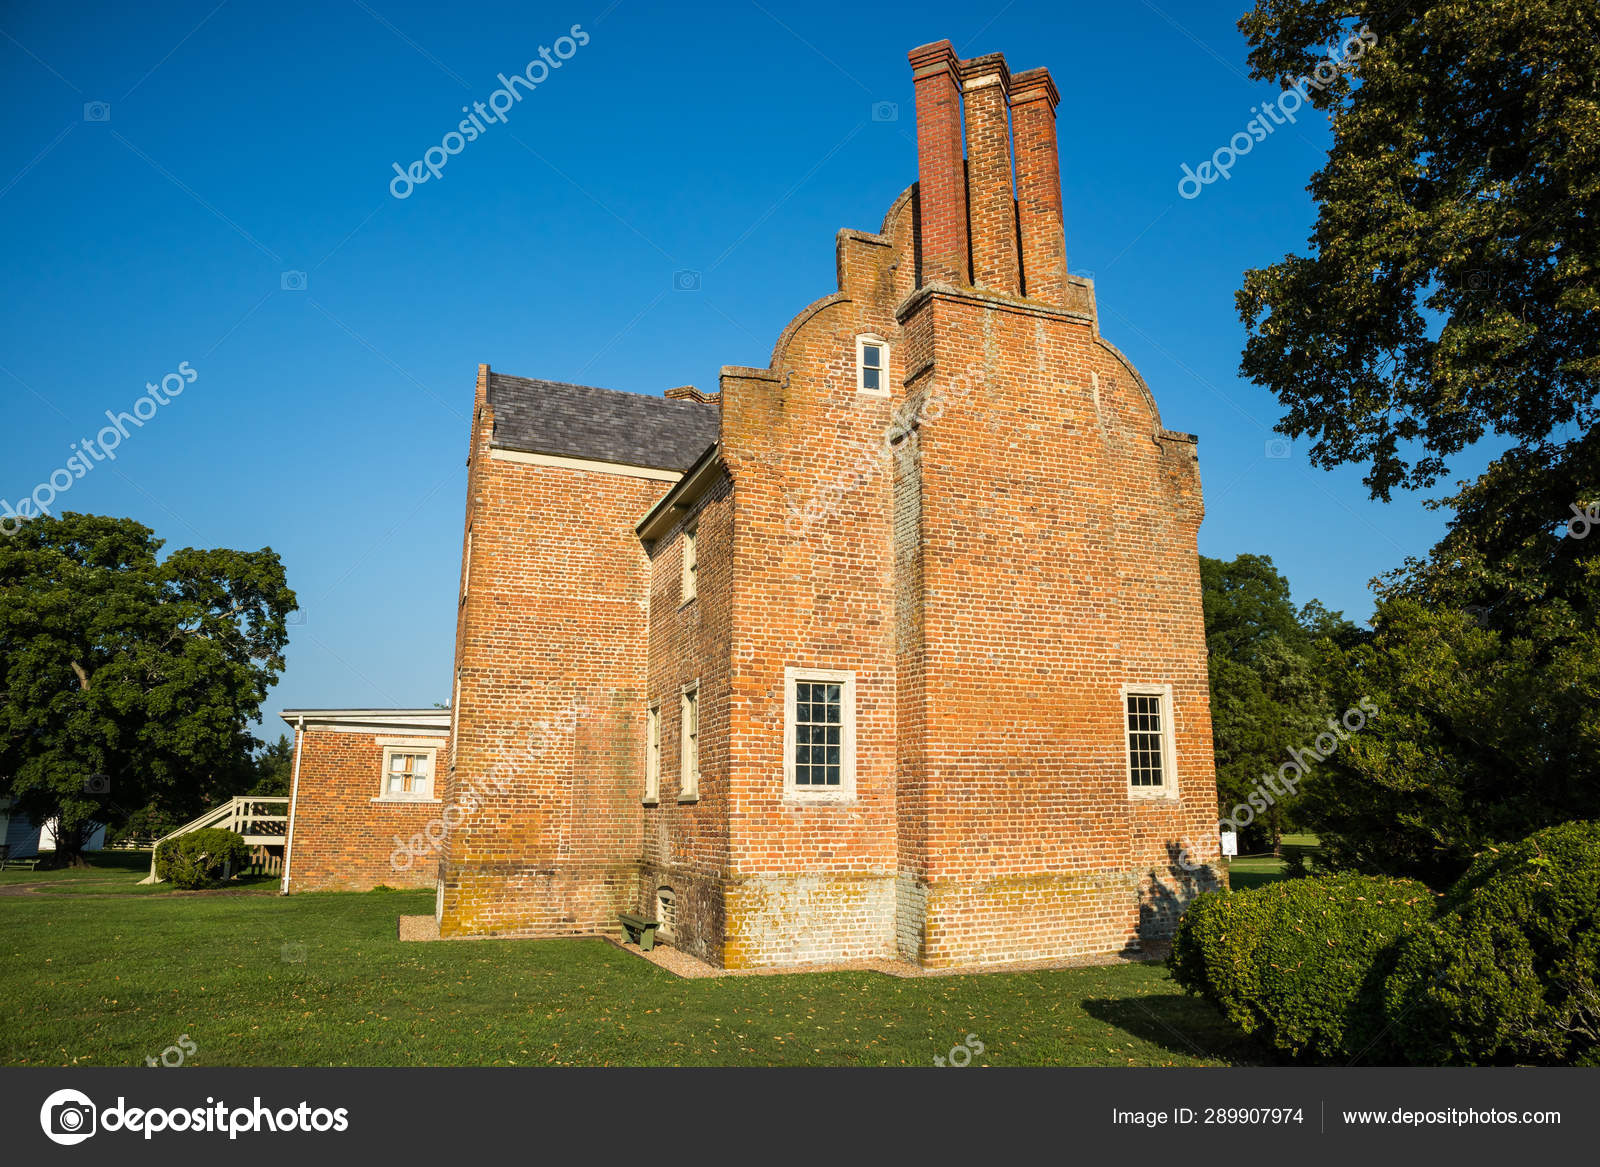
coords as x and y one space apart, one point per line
1451 291
1267 694
1450 296
274 767
128 681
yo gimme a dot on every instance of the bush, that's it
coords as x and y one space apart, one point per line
1508 973
201 858
1325 958
1214 952
1302 962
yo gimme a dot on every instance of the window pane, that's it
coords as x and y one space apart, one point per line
871 356
869 378
1145 759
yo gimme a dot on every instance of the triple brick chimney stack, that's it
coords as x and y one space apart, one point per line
975 228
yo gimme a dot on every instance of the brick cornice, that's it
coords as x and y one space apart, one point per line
1034 85
937 57
982 299
975 73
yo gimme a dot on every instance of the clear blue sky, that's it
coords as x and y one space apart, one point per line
329 421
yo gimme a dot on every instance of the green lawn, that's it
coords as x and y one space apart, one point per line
90 975
1255 870
115 873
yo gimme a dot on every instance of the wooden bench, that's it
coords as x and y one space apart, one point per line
639 930
29 862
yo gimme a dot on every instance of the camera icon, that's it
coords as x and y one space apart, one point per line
1083 274
1279 448
293 281
885 111
97 784
686 281
296 617
293 952
68 1117
1479 281
97 111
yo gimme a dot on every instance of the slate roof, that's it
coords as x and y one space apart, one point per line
581 421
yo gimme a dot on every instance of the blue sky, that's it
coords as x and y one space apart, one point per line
328 418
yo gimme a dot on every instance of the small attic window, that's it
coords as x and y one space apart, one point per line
872 365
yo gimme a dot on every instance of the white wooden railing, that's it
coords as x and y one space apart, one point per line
260 821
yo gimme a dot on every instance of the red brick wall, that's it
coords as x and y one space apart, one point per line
345 840
1025 553
686 844
551 658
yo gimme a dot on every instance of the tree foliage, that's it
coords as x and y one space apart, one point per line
1451 287
128 681
274 767
1450 295
1267 694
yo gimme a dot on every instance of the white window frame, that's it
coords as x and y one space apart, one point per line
652 755
1169 743
429 751
691 561
846 790
878 342
689 744
455 718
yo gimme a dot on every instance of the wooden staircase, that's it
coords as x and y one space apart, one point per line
263 823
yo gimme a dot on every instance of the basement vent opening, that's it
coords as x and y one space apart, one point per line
666 909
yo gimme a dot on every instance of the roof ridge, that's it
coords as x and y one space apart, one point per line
493 376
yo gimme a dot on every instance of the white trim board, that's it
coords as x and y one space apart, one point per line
651 472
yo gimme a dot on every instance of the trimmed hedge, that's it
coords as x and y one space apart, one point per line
1510 971
203 858
1302 962
1214 952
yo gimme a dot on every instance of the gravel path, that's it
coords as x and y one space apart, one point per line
684 965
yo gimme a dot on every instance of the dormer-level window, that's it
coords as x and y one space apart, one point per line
872 365
691 562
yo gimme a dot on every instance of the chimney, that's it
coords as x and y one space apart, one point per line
1044 250
986 87
941 177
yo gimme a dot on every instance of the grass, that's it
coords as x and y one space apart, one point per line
114 873
93 975
1255 870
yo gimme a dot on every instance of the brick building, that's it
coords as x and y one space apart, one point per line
365 798
893 646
